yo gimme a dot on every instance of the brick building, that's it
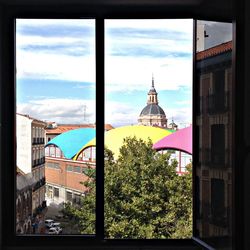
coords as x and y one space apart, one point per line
214 125
30 154
65 177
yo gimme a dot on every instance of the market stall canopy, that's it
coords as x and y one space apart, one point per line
114 138
72 141
180 140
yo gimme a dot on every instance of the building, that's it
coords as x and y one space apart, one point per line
53 129
214 126
65 176
179 144
30 157
24 184
152 114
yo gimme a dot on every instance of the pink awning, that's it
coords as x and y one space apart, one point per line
179 140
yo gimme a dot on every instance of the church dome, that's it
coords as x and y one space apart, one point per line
152 109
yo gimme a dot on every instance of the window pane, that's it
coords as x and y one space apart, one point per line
148 96
214 97
55 103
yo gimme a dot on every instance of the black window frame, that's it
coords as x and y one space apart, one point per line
9 11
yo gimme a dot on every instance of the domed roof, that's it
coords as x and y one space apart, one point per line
152 109
114 138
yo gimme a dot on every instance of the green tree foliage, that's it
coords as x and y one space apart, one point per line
144 197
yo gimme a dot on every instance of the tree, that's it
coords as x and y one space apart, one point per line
144 197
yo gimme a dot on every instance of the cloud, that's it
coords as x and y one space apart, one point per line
60 110
55 27
134 49
76 49
126 74
120 114
56 49
50 66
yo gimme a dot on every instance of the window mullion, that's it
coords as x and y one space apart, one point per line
100 128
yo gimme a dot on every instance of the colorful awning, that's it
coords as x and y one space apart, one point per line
180 140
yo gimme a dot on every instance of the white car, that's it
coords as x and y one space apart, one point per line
49 222
55 230
55 224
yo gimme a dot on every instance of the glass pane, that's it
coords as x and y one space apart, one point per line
214 95
55 103
148 97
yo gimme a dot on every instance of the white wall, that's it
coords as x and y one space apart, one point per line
23 143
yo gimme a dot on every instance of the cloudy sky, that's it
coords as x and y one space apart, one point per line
56 69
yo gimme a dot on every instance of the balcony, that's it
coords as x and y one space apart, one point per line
218 104
220 218
213 159
39 184
38 162
37 140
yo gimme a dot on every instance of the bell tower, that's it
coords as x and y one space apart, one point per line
152 94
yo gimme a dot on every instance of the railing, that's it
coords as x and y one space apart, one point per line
218 103
213 159
39 184
220 218
38 162
37 140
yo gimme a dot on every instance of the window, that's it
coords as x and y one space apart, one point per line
69 196
204 8
214 65
77 169
69 168
52 165
56 192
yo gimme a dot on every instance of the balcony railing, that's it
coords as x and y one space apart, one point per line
217 104
220 218
208 157
39 184
38 162
37 140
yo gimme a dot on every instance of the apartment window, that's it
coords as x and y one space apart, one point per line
52 165
69 196
69 168
217 199
218 144
56 192
77 169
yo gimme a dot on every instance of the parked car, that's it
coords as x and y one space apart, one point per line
55 224
49 222
55 230
59 229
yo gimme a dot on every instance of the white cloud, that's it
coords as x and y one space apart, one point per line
60 110
124 74
49 66
182 25
119 114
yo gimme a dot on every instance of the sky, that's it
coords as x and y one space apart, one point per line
55 63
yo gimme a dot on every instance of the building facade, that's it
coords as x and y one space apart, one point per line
214 126
153 114
53 129
24 184
65 176
30 156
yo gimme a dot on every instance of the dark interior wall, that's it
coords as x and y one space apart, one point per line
245 41
1 63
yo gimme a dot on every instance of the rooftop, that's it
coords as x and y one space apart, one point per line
61 128
219 49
